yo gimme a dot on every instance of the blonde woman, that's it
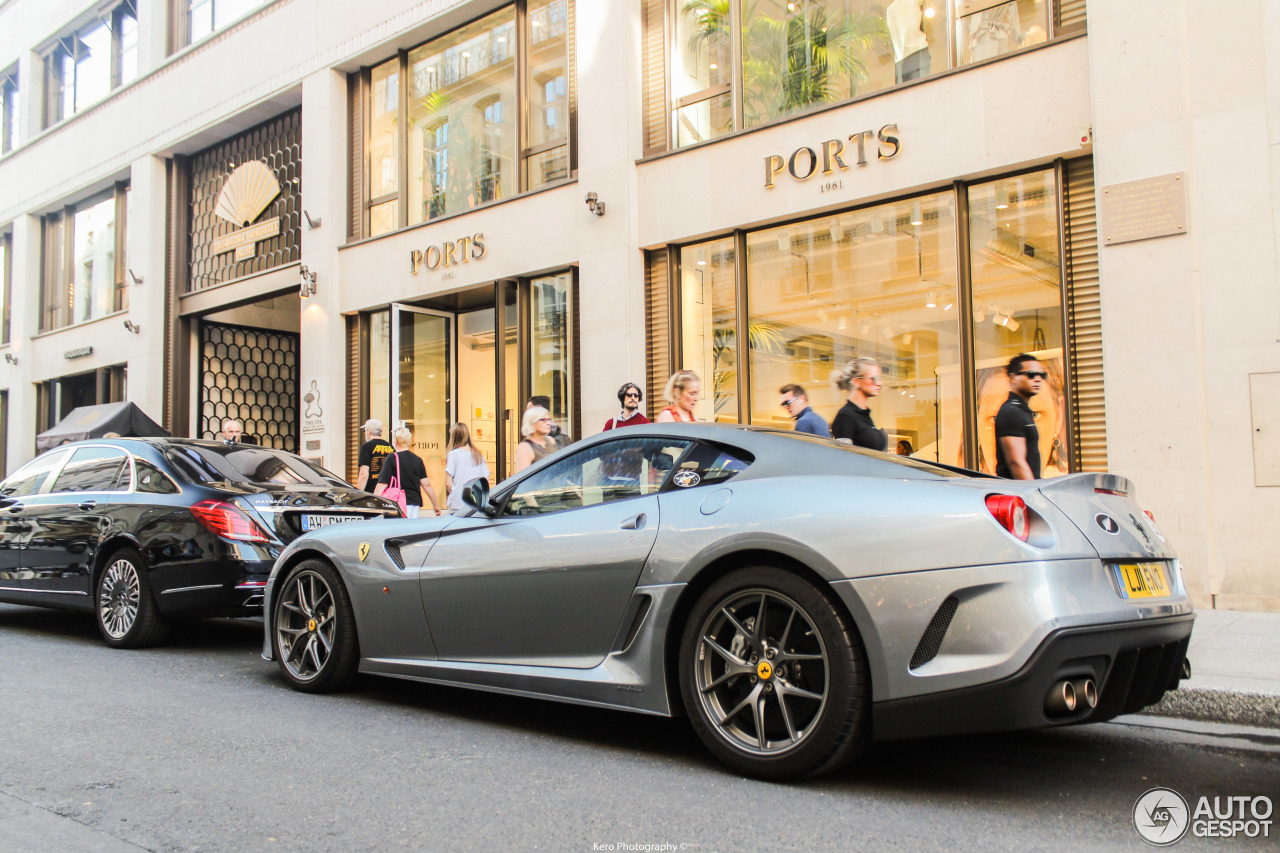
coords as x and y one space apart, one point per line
407 468
464 465
682 391
860 377
537 443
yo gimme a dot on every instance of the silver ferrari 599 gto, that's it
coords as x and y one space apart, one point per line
795 597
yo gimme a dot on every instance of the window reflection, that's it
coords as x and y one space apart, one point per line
549 357
878 283
1017 305
986 29
708 301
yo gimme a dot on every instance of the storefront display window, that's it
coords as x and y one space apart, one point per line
708 303
1017 305
468 139
790 57
550 355
878 282
888 282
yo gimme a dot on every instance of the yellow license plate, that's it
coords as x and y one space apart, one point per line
1143 580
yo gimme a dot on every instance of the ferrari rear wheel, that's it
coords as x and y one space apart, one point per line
126 610
315 629
774 675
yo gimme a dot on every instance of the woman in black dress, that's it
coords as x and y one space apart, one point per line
860 377
407 467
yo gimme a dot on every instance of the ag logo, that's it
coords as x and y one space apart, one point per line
685 479
364 550
1107 523
1161 817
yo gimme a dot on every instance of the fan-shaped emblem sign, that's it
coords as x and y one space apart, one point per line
247 193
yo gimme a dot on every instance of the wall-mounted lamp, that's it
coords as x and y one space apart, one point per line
131 326
137 279
312 224
11 358
308 287
594 204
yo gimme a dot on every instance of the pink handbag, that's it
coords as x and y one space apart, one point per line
393 492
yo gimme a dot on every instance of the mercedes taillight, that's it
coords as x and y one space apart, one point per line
226 519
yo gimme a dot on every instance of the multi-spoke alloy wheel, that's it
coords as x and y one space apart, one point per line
126 610
773 675
315 632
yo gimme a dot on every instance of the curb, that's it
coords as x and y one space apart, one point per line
1219 706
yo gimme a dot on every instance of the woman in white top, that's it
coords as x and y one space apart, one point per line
464 464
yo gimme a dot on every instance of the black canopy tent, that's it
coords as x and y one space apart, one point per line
124 419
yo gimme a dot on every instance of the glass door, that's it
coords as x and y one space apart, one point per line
422 371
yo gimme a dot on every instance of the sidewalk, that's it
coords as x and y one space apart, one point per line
1235 671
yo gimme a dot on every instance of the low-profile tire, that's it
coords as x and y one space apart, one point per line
124 604
313 629
774 676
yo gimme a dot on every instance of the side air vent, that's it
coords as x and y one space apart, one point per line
932 639
642 610
393 551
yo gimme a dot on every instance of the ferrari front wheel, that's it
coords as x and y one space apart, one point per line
774 676
314 629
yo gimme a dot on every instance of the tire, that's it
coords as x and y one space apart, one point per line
313 629
124 604
780 697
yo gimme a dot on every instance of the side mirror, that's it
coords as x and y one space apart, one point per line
476 496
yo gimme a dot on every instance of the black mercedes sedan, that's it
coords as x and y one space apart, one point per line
141 531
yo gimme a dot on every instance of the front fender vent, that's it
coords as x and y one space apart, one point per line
932 639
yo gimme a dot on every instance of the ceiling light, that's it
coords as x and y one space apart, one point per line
842 323
932 301
877 225
864 328
1012 325
714 66
1002 199
929 12
784 241
906 339
917 218
702 257
887 333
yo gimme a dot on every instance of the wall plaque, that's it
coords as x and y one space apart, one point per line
1139 210
78 352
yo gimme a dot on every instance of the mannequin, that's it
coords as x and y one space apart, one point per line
994 31
905 19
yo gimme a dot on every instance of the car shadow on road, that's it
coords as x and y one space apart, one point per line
203 634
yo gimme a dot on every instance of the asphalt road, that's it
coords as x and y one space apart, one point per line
199 746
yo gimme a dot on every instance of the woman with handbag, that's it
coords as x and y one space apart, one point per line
404 478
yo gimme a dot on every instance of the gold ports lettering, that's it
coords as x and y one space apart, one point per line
804 162
451 253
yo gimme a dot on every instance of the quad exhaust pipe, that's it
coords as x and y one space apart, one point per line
1069 694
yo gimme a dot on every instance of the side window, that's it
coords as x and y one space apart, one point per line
707 465
610 471
93 469
28 479
152 480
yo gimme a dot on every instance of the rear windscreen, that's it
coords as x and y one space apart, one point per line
246 465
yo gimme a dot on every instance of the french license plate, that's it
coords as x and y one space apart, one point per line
1142 580
313 521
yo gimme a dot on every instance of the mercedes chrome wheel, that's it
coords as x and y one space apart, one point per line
127 613
315 633
773 675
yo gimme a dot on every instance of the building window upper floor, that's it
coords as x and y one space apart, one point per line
192 20
9 110
84 260
6 282
476 115
713 67
96 56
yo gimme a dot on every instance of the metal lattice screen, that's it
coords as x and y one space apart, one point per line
251 375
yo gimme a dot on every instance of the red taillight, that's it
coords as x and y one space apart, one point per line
1011 512
225 519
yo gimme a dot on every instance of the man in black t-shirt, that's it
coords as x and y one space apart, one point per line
372 453
1017 439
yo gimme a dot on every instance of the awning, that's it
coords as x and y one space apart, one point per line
124 419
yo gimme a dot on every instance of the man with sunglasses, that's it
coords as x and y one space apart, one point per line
796 404
629 395
1017 439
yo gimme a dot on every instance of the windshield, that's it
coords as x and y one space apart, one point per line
247 465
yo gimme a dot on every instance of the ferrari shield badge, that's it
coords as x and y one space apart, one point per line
364 550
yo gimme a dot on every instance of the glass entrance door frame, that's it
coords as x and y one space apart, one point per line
398 308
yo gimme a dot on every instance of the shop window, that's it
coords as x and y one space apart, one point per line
791 57
87 63
469 141
550 344
1017 306
9 106
886 282
195 19
84 261
709 308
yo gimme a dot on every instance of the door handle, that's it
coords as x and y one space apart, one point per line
88 505
16 508
636 522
